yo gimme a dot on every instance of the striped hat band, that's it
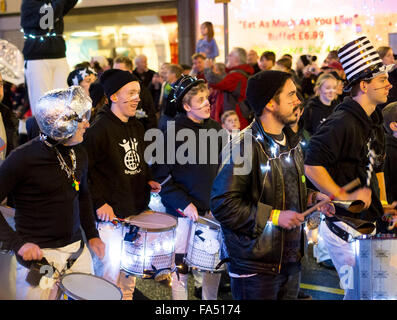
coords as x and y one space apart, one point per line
359 57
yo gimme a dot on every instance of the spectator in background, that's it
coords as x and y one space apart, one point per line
44 55
155 90
231 123
145 111
142 71
207 44
168 110
390 124
307 72
163 86
331 57
198 66
252 60
100 64
322 105
232 86
82 77
386 54
81 65
283 64
267 60
186 69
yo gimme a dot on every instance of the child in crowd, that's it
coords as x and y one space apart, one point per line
207 44
231 123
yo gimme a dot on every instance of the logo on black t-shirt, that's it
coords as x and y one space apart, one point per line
131 159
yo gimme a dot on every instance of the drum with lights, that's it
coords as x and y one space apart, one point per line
375 275
82 286
149 245
205 241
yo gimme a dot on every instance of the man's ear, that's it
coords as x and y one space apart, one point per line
270 105
186 107
393 126
114 98
363 86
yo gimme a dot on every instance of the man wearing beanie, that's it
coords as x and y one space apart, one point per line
118 175
350 145
262 229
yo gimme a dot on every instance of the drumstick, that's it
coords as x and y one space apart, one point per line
180 212
351 185
166 180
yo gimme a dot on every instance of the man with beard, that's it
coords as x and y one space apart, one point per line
262 228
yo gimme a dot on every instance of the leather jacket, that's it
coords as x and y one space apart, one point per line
243 203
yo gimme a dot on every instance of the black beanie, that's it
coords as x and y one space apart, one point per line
114 79
262 87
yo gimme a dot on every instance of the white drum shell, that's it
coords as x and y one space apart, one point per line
204 255
375 271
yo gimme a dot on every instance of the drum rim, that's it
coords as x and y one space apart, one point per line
154 229
191 265
216 226
76 297
379 236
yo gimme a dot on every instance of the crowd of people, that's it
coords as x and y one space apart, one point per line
70 175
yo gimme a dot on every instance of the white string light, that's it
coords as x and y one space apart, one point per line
41 36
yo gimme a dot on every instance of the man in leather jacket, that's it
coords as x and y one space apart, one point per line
259 210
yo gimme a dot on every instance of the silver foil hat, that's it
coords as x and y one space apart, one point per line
59 111
11 63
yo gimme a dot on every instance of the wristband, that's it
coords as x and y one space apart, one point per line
275 216
384 203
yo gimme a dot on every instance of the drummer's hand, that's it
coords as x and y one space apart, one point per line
156 187
290 219
105 213
191 212
30 251
98 246
328 208
363 194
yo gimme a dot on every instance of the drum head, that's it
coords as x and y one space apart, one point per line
153 220
82 286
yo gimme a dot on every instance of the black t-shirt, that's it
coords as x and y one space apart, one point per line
292 240
48 209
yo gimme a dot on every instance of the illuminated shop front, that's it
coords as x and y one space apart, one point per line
122 31
302 27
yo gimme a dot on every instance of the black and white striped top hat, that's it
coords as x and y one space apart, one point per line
360 60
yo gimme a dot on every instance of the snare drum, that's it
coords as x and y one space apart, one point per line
204 245
149 243
82 286
375 271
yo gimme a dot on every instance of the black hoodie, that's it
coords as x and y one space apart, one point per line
118 173
390 169
340 145
315 113
47 47
190 183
